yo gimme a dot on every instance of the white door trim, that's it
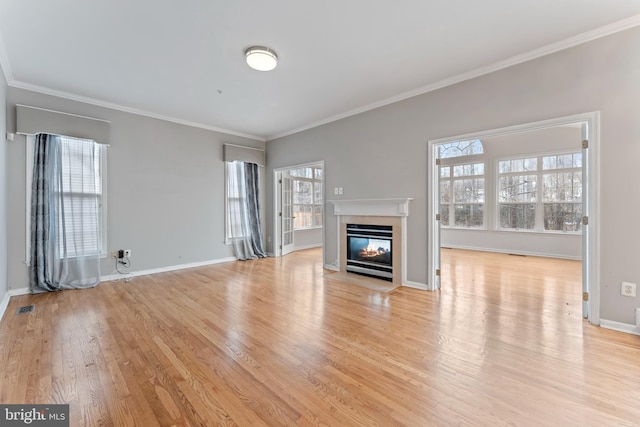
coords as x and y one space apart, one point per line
277 232
592 233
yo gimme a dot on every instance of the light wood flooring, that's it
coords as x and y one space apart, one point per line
280 342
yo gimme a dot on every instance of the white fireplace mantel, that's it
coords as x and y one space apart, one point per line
372 207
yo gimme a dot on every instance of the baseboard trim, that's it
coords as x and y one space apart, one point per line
113 277
500 251
302 248
620 327
415 285
331 267
20 291
4 304
7 297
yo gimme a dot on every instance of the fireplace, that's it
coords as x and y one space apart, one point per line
390 213
369 250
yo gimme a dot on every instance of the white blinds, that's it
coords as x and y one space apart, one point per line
81 191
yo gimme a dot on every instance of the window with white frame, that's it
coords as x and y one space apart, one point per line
562 192
82 185
234 173
517 193
307 197
462 191
461 148
462 195
541 193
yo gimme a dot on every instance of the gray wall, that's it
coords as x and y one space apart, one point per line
557 245
306 239
390 143
165 188
3 189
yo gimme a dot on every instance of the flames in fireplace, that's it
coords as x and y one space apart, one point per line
371 252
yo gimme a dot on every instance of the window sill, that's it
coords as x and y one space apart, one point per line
464 228
545 233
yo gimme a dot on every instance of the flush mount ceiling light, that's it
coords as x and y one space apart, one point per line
261 58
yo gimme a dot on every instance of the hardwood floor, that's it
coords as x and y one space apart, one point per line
283 342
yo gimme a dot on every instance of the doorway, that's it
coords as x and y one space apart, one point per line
588 125
298 208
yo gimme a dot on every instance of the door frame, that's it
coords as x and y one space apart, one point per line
591 232
277 229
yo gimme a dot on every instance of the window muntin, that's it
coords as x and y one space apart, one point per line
562 195
542 193
517 196
462 193
307 197
460 148
562 161
445 196
518 165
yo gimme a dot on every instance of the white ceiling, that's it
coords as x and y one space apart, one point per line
184 60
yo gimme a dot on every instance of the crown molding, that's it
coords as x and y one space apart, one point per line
585 37
113 106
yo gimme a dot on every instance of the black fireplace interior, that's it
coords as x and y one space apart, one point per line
369 250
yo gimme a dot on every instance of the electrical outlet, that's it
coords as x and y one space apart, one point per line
114 254
628 289
127 253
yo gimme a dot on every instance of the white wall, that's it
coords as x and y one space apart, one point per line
557 245
601 75
4 287
165 188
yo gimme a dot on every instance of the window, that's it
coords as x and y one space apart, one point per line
517 193
462 193
542 193
80 189
83 167
307 197
461 148
234 173
562 193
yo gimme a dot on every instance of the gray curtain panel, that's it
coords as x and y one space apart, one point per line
243 210
63 201
252 180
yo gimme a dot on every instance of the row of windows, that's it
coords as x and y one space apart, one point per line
541 193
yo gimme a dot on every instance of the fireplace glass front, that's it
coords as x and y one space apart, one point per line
369 250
